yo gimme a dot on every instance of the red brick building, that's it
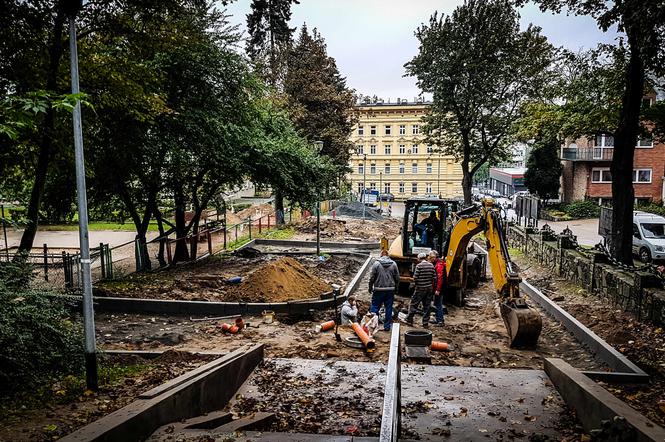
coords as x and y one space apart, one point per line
586 169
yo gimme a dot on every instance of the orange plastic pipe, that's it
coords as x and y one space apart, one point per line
439 346
364 338
327 326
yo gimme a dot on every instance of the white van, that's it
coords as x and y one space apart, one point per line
648 236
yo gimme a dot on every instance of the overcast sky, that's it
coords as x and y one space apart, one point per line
372 39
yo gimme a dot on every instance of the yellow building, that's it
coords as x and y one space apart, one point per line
391 156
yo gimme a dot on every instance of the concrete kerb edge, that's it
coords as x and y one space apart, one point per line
353 285
593 404
602 349
194 397
153 354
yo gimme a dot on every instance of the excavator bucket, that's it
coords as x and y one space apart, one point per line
522 322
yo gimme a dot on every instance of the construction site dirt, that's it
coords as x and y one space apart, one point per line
348 229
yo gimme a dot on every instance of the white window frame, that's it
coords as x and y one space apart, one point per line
636 174
372 186
414 167
387 129
401 167
402 149
372 168
361 168
360 187
387 148
372 130
401 187
600 170
414 187
372 149
361 131
430 149
360 150
429 168
414 149
402 129
386 169
428 187
650 146
415 129
599 150
386 187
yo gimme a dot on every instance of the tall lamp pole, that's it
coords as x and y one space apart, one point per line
318 146
364 182
71 8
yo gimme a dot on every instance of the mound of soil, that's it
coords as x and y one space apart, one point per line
355 209
282 280
256 212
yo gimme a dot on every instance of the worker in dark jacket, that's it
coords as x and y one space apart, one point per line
425 279
383 281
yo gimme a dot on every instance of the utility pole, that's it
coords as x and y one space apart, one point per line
364 182
71 8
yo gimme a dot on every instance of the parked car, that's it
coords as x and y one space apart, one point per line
387 197
648 236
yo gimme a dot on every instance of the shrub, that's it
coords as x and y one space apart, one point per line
38 338
652 208
582 209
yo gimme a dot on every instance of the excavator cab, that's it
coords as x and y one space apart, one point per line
426 224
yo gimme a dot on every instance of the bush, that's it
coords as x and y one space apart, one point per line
582 209
652 208
38 338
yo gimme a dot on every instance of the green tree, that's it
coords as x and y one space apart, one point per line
543 169
480 68
643 23
270 37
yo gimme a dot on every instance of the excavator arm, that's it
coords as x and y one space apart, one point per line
523 323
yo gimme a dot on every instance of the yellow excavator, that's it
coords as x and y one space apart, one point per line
436 224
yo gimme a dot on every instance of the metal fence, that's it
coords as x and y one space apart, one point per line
61 269
527 208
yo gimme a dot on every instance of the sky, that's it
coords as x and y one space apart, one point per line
372 39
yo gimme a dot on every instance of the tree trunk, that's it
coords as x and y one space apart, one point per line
466 174
181 253
279 207
46 144
625 139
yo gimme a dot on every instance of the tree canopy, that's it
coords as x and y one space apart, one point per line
480 67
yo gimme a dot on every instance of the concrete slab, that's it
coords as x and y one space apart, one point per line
477 403
594 405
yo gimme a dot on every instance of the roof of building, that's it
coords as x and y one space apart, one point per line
509 170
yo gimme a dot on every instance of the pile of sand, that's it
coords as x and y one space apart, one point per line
282 280
256 211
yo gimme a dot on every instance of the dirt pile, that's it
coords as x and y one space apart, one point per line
330 228
355 209
256 212
282 280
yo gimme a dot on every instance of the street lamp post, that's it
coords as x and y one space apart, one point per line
71 8
380 187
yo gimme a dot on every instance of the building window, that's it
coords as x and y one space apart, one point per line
414 149
604 140
372 130
386 149
372 149
386 169
428 187
360 188
401 187
430 149
601 146
361 130
402 149
372 186
401 167
601 176
359 149
414 187
361 168
414 168
372 168
402 129
644 142
386 188
388 129
429 167
415 129
641 175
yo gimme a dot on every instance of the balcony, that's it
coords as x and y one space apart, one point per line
587 153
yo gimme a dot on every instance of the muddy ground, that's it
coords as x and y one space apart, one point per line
642 343
65 405
265 278
348 229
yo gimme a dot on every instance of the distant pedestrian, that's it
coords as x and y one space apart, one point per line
383 282
349 311
424 278
440 268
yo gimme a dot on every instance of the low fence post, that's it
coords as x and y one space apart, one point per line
260 225
45 262
102 260
236 240
65 270
169 258
209 235
249 223
268 222
224 237
109 262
